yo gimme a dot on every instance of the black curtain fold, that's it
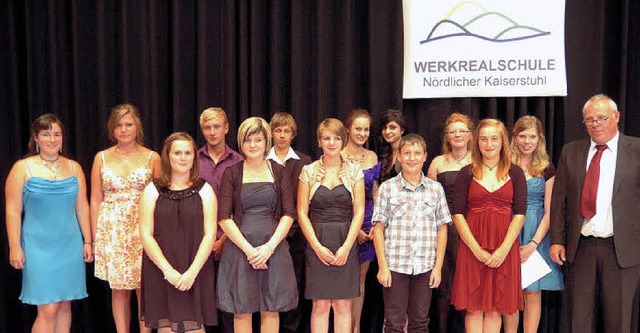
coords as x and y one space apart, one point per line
314 59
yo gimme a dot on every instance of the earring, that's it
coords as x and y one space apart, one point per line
37 148
60 152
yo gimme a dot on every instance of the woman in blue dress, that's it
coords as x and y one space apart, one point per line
528 150
358 125
52 242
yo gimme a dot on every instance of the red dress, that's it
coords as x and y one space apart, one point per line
488 214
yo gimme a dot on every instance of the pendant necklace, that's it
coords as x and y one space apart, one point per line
462 158
490 167
52 165
354 157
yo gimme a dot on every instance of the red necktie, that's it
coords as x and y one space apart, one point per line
590 188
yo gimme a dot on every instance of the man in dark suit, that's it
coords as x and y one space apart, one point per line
283 130
595 222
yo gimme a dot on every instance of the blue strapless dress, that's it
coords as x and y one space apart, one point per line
535 211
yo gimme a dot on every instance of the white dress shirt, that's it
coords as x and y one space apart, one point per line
601 224
290 155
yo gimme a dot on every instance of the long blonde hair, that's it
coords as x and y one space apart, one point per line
504 164
539 157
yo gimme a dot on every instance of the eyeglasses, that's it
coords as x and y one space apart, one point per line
599 120
458 132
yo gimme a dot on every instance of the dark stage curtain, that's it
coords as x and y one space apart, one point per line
315 59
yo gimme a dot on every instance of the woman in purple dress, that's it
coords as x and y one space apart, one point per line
358 124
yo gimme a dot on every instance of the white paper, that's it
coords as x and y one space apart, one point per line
534 269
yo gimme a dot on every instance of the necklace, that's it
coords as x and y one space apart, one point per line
257 174
490 167
353 157
53 165
461 159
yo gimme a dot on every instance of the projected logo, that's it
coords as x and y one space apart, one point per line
469 19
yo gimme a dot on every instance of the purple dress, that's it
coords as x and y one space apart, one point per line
366 252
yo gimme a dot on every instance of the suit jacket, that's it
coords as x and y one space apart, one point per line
566 221
292 170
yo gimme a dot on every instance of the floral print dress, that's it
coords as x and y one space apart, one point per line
118 247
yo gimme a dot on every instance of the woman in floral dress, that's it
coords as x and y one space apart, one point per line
118 176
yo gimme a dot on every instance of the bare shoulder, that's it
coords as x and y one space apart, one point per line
75 164
154 155
437 162
97 159
441 159
19 170
148 151
206 192
371 157
150 193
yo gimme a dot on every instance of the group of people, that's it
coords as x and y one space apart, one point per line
211 236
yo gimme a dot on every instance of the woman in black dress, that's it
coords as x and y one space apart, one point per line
256 211
456 153
330 214
178 227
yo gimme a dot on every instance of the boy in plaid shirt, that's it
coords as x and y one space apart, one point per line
410 236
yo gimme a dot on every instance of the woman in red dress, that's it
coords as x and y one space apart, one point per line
488 212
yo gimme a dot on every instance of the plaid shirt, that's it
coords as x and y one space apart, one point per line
411 217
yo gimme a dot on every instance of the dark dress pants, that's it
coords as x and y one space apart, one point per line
600 288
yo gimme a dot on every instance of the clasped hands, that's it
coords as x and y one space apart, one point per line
364 237
492 260
329 258
258 256
182 282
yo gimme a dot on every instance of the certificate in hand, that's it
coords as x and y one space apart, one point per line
534 269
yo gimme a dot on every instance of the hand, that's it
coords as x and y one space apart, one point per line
172 276
384 277
16 258
482 256
526 251
497 258
341 256
218 246
558 254
435 278
260 267
261 254
324 254
87 250
186 280
362 237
